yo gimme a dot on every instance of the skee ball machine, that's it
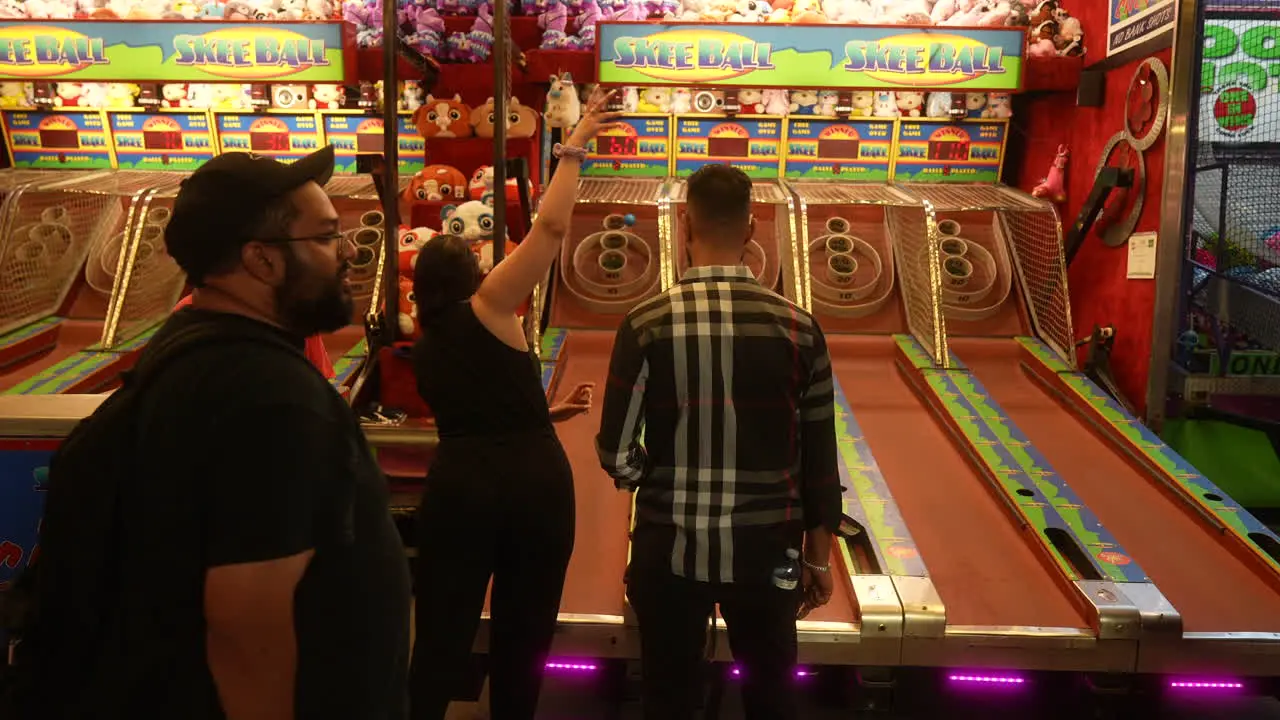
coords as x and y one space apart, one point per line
96 158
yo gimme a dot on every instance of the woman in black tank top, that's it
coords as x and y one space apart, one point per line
498 502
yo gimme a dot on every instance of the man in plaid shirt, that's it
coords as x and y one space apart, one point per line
731 386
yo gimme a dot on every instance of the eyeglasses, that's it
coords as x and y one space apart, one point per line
322 239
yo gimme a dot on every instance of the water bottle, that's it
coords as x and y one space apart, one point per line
787 575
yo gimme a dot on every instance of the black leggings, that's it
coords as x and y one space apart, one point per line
499 508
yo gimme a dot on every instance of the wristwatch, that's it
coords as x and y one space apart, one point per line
563 151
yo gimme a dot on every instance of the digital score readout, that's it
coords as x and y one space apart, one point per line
943 151
635 146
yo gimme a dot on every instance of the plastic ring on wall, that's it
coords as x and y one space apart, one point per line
948 228
971 294
956 272
1118 234
612 263
608 291
56 215
364 257
1161 96
372 218
159 216
841 268
367 236
56 239
954 245
858 246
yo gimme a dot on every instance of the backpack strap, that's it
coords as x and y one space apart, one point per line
162 354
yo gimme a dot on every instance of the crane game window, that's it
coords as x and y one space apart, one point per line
729 141
949 145
161 133
59 133
839 142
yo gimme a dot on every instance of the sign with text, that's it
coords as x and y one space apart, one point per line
1134 22
1237 93
799 56
177 141
77 140
831 149
351 134
24 481
285 137
171 52
937 151
752 145
635 146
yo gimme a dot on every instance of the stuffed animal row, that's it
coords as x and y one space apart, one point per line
234 10
819 103
452 118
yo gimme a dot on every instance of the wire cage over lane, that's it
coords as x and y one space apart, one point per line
46 234
1032 234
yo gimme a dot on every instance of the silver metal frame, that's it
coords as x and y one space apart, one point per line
1184 88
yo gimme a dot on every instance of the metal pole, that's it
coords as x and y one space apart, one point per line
1184 91
501 62
390 170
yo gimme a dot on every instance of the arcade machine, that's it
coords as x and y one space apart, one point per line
932 279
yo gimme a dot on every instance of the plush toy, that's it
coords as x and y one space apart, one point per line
174 95
411 97
655 100
909 103
751 11
884 104
564 107
974 104
122 96
996 15
16 95
407 317
1043 12
437 183
12 9
477 45
751 101
631 99
1054 186
861 102
827 102
411 242
428 30
473 221
681 101
588 15
327 97
481 185
1070 37
776 102
93 95
999 105
803 102
1041 42
938 105
808 12
443 118
554 21
848 11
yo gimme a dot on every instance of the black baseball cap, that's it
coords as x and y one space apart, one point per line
219 204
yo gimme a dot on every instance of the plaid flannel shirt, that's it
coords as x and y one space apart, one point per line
731 387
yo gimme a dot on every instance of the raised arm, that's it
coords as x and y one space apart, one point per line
622 420
509 284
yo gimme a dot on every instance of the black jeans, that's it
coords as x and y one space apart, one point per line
501 509
673 613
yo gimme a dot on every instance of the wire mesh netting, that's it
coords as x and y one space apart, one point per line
1035 239
914 232
152 281
46 238
1233 249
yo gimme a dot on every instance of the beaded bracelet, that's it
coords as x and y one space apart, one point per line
816 568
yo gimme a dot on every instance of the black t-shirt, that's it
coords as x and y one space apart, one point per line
248 454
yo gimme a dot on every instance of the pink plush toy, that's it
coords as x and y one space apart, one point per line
554 21
1054 186
585 22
